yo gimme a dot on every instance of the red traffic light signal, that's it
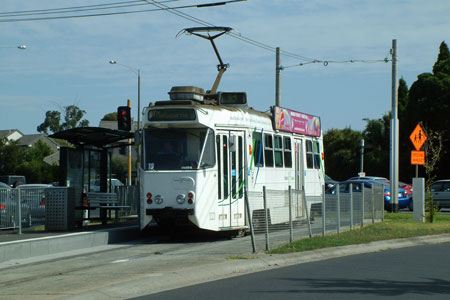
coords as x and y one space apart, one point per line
123 118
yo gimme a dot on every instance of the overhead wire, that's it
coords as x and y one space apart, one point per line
161 6
64 11
238 36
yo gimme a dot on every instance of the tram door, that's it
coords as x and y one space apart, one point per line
230 158
298 165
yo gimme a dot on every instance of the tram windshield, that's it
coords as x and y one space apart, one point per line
179 148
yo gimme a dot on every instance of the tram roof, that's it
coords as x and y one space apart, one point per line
95 136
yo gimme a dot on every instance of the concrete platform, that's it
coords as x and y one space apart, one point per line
15 246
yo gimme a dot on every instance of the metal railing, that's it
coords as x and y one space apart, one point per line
28 205
282 216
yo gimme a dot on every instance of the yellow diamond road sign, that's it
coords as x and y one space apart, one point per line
418 137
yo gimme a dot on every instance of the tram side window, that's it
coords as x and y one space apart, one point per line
258 156
278 151
287 152
268 150
316 155
309 155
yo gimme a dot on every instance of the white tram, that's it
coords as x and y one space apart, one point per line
198 153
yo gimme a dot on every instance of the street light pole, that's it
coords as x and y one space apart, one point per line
138 73
21 47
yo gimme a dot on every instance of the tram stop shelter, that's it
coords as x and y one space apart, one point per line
86 167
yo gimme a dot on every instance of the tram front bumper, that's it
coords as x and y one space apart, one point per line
171 216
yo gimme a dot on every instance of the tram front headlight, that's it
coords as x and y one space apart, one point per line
181 199
159 199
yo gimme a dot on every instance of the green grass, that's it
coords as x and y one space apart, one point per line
395 226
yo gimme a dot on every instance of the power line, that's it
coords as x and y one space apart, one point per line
259 44
74 8
161 6
63 11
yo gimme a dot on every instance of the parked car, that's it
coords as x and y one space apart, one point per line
440 191
404 201
8 208
5 204
344 186
372 178
329 183
4 186
404 191
13 180
33 196
115 183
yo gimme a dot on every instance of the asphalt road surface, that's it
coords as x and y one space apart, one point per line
421 272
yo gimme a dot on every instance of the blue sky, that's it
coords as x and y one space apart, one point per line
66 61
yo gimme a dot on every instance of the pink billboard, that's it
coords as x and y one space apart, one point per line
296 122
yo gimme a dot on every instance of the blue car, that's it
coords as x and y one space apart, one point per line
404 201
344 186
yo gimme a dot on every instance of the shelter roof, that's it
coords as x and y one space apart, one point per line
95 136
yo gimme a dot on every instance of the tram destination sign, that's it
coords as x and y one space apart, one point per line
171 114
296 122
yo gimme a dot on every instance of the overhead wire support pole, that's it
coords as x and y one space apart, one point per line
394 142
278 69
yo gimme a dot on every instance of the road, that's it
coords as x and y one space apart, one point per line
80 273
420 272
159 263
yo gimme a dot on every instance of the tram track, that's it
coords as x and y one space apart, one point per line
148 248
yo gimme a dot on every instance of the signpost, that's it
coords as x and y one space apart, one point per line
418 138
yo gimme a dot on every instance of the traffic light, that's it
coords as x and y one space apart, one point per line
123 118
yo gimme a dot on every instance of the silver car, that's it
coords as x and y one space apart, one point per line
441 192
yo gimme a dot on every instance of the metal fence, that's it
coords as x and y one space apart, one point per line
28 205
282 216
128 196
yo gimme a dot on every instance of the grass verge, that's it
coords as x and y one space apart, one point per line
395 226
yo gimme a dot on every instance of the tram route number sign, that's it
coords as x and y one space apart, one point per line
418 137
417 157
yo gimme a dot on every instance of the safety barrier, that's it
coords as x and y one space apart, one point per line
282 216
28 205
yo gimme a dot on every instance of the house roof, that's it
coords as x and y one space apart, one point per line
8 132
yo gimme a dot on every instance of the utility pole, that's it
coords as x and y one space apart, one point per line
394 143
278 69
361 173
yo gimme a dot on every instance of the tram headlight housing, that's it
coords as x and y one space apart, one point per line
159 199
181 198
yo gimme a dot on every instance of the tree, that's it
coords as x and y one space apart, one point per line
342 153
72 119
433 151
110 117
119 167
429 102
377 136
11 155
27 161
